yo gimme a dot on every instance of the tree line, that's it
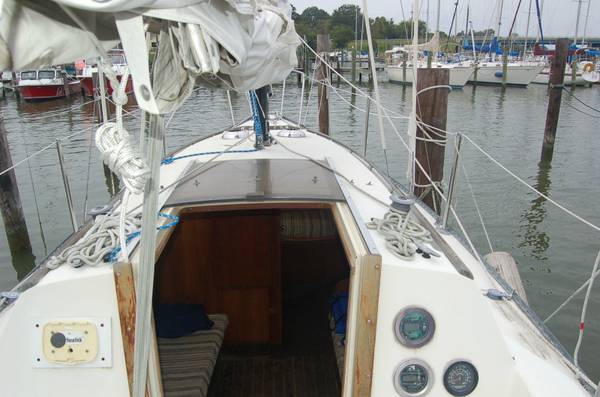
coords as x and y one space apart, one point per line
344 21
347 20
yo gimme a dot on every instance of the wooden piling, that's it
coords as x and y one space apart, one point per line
97 105
555 87
11 208
322 76
404 59
432 109
15 85
353 65
504 65
300 69
573 74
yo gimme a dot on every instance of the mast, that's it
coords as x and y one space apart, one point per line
453 19
375 82
499 24
577 21
427 23
540 10
437 25
527 29
585 24
467 19
412 124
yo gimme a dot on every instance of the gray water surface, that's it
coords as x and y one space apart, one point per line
555 252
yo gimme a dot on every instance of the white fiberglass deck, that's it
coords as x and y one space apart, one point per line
511 355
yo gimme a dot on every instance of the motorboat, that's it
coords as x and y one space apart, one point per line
88 68
43 84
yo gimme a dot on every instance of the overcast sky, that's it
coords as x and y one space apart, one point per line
558 17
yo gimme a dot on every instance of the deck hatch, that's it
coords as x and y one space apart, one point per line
256 180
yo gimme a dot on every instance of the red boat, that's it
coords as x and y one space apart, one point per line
87 69
87 83
47 84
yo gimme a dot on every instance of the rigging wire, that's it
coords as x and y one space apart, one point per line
87 179
500 165
519 179
35 195
584 309
580 101
485 231
581 111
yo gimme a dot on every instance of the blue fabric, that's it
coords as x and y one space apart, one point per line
339 311
175 321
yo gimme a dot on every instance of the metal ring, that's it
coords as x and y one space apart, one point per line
428 335
402 366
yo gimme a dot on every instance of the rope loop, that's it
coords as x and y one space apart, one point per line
121 158
402 235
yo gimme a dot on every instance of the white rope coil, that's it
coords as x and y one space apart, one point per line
99 241
400 232
120 157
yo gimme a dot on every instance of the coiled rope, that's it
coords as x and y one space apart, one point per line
400 232
112 139
97 242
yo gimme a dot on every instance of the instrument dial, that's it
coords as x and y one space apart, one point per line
412 378
461 378
414 327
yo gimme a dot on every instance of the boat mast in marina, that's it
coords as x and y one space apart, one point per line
579 3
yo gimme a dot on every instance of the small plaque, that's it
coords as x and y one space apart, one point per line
71 342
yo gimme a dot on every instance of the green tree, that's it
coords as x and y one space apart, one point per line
315 18
382 28
311 22
341 35
348 15
404 29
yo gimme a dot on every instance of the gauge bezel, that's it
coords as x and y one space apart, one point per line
450 364
405 364
408 343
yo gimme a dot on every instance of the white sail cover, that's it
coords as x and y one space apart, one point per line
432 45
238 44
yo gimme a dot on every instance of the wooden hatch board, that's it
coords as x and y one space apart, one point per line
366 271
126 300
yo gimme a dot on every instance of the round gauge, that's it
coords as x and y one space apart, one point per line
414 327
461 378
412 378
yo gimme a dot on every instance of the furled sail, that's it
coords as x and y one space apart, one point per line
237 44
433 45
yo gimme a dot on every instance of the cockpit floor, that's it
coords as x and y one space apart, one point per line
272 375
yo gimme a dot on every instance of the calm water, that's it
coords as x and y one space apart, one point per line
555 252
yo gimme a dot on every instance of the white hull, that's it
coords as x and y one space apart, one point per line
459 75
544 78
496 336
517 74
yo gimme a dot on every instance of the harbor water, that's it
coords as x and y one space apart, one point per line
554 251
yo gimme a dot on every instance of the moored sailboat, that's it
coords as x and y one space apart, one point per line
255 222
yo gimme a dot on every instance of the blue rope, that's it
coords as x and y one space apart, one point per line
256 113
169 160
114 254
